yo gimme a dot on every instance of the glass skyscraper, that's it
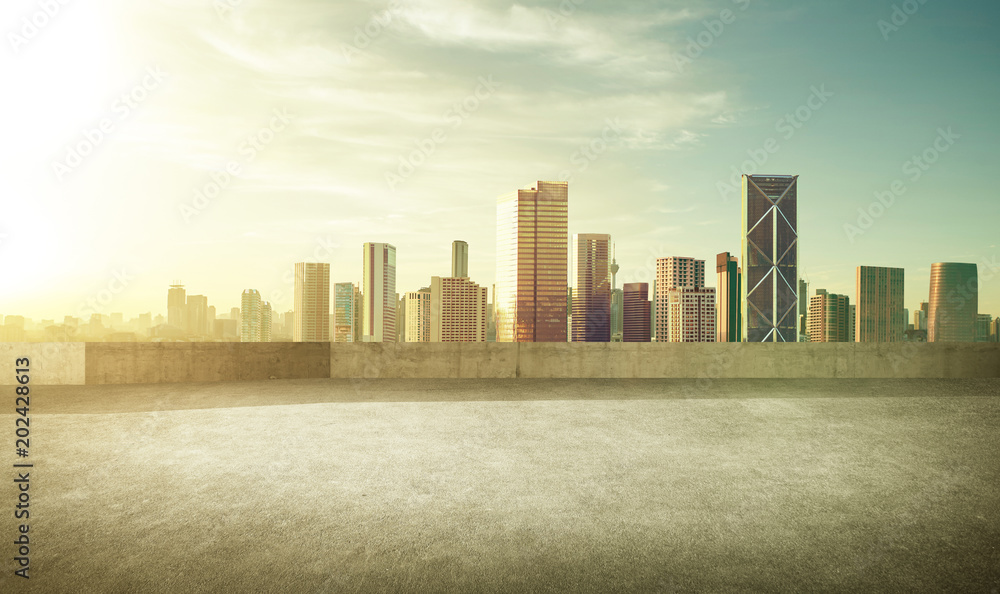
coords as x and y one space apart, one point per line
345 296
532 250
954 302
592 288
879 300
312 302
728 326
379 317
770 258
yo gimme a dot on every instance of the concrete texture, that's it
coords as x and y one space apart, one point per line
516 485
130 363
52 363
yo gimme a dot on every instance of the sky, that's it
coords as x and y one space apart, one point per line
218 142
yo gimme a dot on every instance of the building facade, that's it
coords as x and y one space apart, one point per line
345 299
458 310
830 318
418 316
177 306
675 273
691 313
379 290
728 323
635 312
770 258
879 304
459 259
954 302
251 307
312 302
592 288
983 323
532 249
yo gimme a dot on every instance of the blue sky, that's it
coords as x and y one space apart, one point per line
311 127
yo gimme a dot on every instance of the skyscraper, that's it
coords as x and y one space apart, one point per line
379 320
592 288
312 302
728 326
954 302
770 258
458 309
344 298
829 317
803 310
196 316
250 310
995 330
530 302
459 259
177 306
635 312
679 273
691 313
983 322
418 316
266 321
879 301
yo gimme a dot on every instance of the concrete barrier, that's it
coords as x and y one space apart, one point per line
50 363
168 362
128 363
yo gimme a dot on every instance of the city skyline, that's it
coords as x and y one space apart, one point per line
663 129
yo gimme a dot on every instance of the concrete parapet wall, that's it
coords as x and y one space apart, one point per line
50 363
129 363
168 362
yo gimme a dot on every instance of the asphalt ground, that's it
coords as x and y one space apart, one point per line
510 486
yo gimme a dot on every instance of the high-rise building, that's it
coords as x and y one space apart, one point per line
954 302
592 288
920 317
177 306
995 330
379 320
344 299
983 322
459 259
359 310
691 313
675 273
196 317
728 326
829 317
458 309
250 313
635 312
312 302
770 258
417 305
266 321
530 300
879 301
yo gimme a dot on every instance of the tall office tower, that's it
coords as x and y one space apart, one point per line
418 316
592 288
652 315
829 317
459 259
995 330
691 314
266 320
532 250
852 321
617 301
983 322
196 317
458 310
879 301
803 310
770 258
920 317
379 320
674 273
400 318
250 308
635 312
344 298
727 325
954 302
177 306
312 302
359 315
